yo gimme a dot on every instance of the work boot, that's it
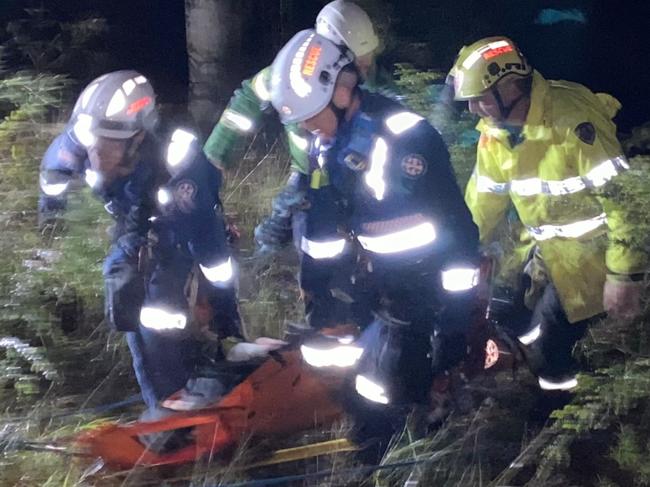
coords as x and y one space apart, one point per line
198 393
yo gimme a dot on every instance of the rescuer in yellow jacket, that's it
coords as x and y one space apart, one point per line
549 147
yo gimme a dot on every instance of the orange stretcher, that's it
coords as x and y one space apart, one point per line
281 397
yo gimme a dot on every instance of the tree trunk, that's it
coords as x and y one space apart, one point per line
214 46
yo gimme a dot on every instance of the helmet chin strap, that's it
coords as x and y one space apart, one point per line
504 110
339 113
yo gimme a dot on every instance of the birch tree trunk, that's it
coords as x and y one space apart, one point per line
214 32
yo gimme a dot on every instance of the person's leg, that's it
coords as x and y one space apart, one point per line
124 290
549 342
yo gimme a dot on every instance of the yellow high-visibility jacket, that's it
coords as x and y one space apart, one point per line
569 150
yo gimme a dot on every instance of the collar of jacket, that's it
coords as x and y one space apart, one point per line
538 124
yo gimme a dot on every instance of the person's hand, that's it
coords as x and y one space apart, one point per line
622 299
273 233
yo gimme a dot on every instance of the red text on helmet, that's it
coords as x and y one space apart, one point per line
311 60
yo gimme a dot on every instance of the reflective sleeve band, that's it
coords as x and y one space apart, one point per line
341 356
595 178
460 279
179 146
56 189
300 142
236 121
160 319
531 336
374 177
219 273
370 390
403 121
560 385
570 230
322 250
260 88
164 197
400 241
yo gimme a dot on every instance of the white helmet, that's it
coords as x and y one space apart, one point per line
346 23
116 105
303 75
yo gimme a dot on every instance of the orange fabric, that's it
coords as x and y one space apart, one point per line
282 396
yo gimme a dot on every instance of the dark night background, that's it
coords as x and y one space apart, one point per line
607 53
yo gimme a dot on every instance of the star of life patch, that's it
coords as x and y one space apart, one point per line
185 195
413 166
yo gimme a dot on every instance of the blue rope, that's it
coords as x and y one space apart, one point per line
324 473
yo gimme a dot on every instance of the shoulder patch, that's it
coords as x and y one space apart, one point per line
413 166
185 195
586 132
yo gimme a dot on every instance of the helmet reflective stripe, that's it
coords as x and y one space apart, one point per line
179 147
222 272
374 177
83 129
160 319
304 75
346 23
117 104
400 241
498 47
88 92
128 86
569 230
298 83
401 122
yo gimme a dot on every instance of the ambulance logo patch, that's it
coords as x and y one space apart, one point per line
414 166
185 196
586 132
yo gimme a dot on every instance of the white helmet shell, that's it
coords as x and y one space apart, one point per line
303 75
346 23
116 105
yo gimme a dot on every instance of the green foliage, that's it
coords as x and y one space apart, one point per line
40 42
632 454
